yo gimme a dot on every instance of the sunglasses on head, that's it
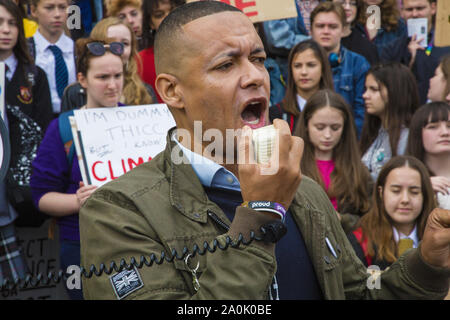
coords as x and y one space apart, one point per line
99 49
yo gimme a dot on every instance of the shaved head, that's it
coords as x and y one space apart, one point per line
170 45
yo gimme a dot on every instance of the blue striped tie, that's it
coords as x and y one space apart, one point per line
61 73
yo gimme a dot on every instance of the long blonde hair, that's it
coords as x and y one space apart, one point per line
134 90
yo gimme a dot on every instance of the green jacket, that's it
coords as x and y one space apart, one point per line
161 206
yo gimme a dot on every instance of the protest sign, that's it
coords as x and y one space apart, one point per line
41 256
443 24
263 10
113 141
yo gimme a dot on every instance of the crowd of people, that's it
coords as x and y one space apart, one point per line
366 142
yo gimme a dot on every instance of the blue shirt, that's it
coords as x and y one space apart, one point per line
208 172
295 277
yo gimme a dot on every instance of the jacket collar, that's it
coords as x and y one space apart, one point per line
186 192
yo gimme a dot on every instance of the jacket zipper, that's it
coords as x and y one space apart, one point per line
218 220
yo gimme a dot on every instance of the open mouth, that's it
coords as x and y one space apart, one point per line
253 114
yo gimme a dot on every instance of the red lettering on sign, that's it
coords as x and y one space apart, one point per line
123 166
132 164
111 171
93 171
241 5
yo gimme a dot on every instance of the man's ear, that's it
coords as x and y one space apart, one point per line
169 90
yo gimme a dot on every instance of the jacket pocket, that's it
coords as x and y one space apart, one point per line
346 88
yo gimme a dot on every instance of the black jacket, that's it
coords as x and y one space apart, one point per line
29 90
29 112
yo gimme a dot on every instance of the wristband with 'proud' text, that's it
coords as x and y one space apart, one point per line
266 206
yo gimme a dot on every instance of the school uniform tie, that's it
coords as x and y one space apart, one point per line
404 244
61 73
6 72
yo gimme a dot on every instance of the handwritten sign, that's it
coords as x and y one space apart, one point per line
41 255
263 10
443 23
113 141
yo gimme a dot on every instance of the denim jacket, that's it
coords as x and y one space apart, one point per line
349 78
385 38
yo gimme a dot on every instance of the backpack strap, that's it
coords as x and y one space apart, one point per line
65 132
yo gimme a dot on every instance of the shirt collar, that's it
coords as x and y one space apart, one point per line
64 43
413 236
300 102
210 174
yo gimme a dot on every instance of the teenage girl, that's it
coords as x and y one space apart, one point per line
402 201
429 141
57 186
309 71
391 98
331 155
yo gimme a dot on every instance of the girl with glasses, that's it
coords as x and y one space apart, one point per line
135 91
56 181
